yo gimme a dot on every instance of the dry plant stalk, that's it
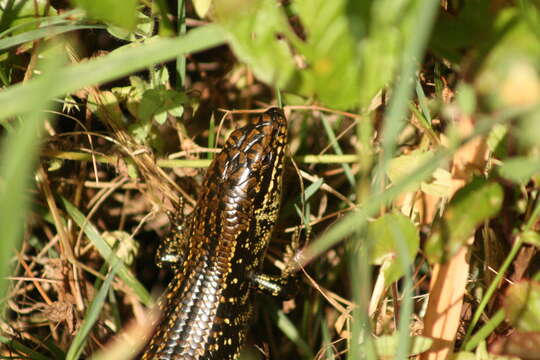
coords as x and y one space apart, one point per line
449 279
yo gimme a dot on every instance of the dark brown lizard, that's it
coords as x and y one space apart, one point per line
218 253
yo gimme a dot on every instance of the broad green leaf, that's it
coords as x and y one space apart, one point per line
334 61
401 166
440 185
387 345
473 26
333 70
473 204
395 242
159 100
522 305
509 75
520 169
390 26
105 105
252 28
121 13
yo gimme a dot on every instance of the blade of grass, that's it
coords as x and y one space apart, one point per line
337 149
394 121
211 136
290 330
201 163
406 306
28 352
485 331
18 151
62 19
21 98
397 109
423 103
40 33
353 221
93 234
496 281
92 314
181 60
19 155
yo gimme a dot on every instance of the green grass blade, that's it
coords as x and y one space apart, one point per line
104 249
181 60
337 149
485 331
22 97
397 110
92 314
28 352
468 341
290 330
41 33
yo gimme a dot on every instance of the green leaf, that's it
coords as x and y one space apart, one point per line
459 222
387 345
401 166
202 7
528 128
520 169
159 100
531 237
509 75
330 51
522 305
463 355
293 333
105 105
440 185
466 98
496 140
390 235
122 13
473 26
252 28
144 28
